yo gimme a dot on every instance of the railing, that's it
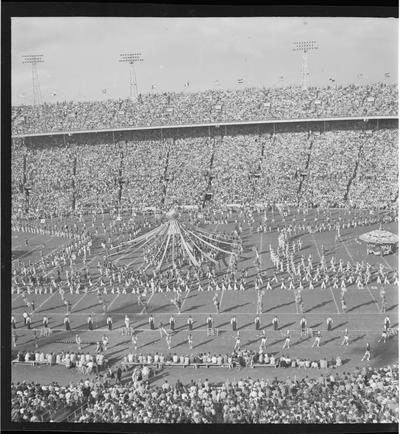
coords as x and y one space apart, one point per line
206 124
72 417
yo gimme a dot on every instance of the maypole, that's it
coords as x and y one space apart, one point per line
175 238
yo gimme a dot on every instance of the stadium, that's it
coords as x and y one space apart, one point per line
211 256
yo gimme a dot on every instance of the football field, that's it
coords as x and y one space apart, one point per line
363 319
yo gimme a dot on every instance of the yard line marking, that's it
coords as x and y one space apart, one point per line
330 288
184 298
387 263
75 304
112 302
334 299
316 245
373 298
297 308
370 293
15 298
220 301
348 252
47 299
29 240
148 301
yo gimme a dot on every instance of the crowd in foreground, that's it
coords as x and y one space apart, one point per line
239 105
366 395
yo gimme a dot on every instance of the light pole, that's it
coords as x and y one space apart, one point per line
131 58
34 59
305 47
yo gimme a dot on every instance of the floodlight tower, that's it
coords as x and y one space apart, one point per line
34 59
305 47
131 58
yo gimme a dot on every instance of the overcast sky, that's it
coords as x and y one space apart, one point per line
81 54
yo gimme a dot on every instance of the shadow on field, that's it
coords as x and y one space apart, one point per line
202 343
122 309
367 303
223 324
235 307
279 305
307 338
18 253
316 325
122 343
278 341
180 344
286 325
245 325
86 308
358 338
53 308
149 343
140 325
117 352
329 340
193 308
159 308
391 307
318 305
250 342
339 325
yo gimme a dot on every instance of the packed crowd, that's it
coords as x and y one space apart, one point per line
365 395
238 105
336 168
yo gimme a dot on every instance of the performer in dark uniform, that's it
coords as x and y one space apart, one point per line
190 323
233 323
67 324
151 322
172 323
109 322
90 322
275 322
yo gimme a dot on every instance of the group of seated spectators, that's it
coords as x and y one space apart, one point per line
236 359
250 104
85 362
337 168
367 395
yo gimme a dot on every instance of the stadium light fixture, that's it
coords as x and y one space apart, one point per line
132 58
305 47
34 59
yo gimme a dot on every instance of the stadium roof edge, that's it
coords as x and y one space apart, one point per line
210 124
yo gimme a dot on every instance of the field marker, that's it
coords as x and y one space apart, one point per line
184 298
330 288
297 309
112 302
75 304
47 299
387 263
148 301
373 298
29 240
15 299
334 299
